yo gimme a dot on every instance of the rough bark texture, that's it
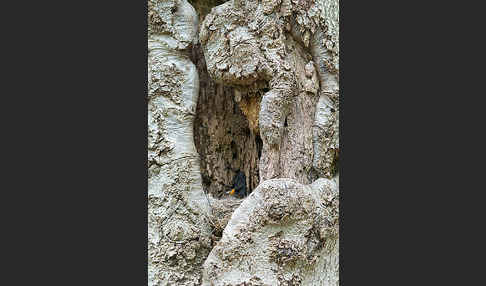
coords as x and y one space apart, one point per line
223 135
178 232
284 233
255 87
284 48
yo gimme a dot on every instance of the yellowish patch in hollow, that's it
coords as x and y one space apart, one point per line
250 106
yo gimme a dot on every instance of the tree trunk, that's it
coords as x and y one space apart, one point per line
256 89
178 231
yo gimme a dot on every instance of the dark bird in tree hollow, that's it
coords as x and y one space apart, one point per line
238 189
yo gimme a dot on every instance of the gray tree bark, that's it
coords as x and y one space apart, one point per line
178 231
261 81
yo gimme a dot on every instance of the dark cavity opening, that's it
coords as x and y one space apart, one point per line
222 135
259 144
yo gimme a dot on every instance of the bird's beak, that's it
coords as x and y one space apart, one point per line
232 192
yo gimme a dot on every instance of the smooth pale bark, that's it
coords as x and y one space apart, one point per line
178 229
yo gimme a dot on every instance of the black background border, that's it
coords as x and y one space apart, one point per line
77 178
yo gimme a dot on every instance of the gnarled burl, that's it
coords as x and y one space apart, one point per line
284 233
290 50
